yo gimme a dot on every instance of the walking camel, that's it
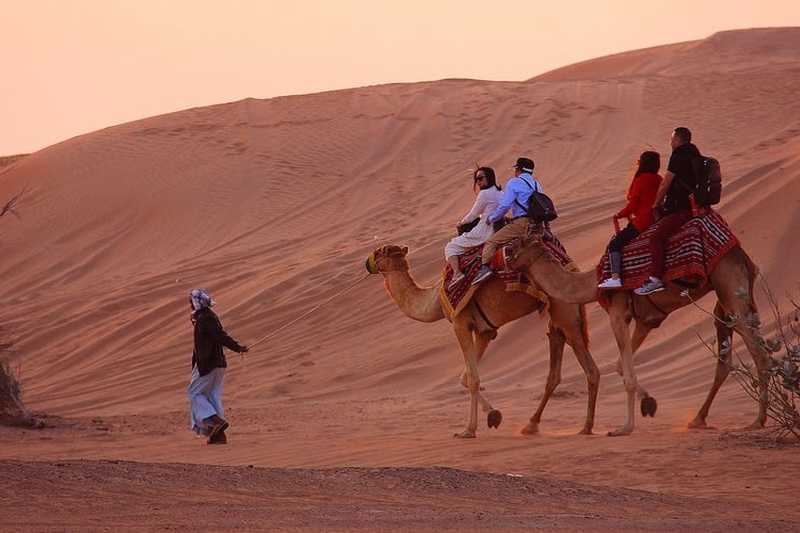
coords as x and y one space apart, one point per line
731 279
490 307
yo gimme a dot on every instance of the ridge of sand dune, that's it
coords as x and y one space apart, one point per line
273 205
724 52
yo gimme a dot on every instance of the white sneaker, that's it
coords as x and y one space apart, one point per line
610 283
650 286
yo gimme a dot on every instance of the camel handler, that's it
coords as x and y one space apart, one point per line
515 197
208 369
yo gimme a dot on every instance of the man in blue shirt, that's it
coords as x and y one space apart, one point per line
515 197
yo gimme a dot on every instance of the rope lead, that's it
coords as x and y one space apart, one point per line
308 312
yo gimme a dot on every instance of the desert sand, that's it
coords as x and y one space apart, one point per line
342 417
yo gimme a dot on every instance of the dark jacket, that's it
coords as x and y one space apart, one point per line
209 338
684 182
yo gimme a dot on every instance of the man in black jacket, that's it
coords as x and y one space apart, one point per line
208 369
672 199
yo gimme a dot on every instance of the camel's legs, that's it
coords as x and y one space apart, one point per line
592 380
617 314
724 345
732 280
724 355
486 406
557 341
759 355
472 348
760 359
571 320
494 417
640 332
572 325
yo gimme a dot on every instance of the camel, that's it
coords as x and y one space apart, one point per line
475 326
731 279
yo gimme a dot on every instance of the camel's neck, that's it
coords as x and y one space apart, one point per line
571 287
415 302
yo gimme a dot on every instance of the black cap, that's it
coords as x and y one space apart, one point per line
523 163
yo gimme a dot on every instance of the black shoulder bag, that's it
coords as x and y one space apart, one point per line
540 206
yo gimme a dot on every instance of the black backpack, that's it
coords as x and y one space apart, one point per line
709 181
540 206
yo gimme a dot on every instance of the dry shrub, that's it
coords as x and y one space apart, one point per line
781 375
12 410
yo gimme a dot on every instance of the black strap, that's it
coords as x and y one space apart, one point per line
483 316
534 189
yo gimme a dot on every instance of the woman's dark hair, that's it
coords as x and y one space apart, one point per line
649 163
491 179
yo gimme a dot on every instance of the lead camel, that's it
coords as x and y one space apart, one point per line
476 326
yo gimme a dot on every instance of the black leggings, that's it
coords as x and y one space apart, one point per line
626 235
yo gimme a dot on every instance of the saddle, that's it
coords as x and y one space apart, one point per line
693 252
457 297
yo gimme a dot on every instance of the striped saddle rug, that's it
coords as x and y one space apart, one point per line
692 253
457 297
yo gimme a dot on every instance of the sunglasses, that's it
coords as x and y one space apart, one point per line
479 178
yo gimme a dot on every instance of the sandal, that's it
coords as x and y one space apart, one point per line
218 438
456 280
220 427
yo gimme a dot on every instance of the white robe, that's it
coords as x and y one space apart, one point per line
205 398
486 202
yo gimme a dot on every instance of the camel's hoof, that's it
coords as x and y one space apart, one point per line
697 423
649 406
466 434
586 431
494 418
754 426
621 432
530 429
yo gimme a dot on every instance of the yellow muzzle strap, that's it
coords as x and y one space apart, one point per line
370 265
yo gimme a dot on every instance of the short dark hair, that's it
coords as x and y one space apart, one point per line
683 134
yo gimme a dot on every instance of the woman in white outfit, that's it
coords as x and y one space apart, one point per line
489 195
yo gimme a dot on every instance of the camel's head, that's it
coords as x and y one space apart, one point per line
387 258
526 252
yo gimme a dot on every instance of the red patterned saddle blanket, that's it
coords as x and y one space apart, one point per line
692 253
457 297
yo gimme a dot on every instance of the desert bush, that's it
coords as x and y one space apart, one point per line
782 352
783 361
12 410
9 389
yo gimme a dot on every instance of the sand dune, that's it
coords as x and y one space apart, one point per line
273 205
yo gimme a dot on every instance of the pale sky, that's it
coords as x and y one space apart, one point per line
71 67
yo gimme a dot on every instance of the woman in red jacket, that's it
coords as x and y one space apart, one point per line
639 211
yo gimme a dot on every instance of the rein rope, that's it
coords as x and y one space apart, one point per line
309 311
